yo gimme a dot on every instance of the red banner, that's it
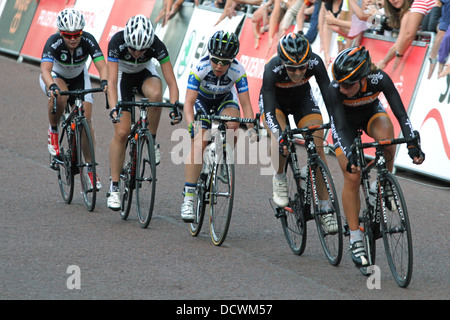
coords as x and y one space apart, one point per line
43 26
120 13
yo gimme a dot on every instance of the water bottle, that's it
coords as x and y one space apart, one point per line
303 177
373 193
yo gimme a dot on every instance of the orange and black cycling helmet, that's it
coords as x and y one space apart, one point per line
351 65
294 49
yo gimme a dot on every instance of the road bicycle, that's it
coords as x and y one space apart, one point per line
383 211
139 170
215 185
77 155
312 196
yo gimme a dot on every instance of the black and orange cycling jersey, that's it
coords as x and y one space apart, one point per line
348 114
278 91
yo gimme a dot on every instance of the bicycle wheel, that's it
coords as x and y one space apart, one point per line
64 168
86 164
397 232
293 221
369 226
145 178
327 216
221 197
199 205
126 180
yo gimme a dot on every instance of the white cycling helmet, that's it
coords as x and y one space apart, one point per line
139 32
70 20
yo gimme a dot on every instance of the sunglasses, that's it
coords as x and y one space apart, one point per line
136 50
347 85
71 35
224 62
292 68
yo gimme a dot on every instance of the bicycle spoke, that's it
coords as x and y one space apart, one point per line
86 164
63 164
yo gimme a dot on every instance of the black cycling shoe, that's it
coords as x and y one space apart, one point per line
358 253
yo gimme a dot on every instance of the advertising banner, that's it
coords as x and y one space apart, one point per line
42 27
120 12
195 44
430 115
172 33
14 23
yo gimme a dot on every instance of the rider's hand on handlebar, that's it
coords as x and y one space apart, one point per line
415 153
352 165
104 85
253 135
283 145
115 114
53 91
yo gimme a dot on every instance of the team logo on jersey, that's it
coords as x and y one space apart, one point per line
79 52
63 57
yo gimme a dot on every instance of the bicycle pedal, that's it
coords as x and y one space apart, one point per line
279 212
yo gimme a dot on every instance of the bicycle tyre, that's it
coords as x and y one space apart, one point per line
88 189
332 242
65 170
396 230
199 205
221 197
293 221
126 180
145 185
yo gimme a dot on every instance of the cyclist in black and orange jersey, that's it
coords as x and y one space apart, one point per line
63 67
354 99
286 90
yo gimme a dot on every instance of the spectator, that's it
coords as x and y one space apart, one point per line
230 5
313 20
406 16
444 22
326 33
170 8
279 9
261 15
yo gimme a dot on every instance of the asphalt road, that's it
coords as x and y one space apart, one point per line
41 237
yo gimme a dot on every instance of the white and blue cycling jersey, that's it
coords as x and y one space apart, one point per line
212 87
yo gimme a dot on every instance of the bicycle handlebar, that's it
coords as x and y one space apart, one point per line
309 129
225 118
176 107
79 93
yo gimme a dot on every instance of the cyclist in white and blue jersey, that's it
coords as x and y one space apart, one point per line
218 82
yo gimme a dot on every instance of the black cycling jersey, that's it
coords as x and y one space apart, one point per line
278 91
118 52
65 64
349 114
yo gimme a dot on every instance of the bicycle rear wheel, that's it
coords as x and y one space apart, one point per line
199 205
65 171
328 218
145 178
397 232
126 180
221 197
86 164
293 221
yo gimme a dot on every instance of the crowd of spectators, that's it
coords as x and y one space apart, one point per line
348 19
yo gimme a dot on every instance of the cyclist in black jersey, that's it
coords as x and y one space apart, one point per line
63 67
355 104
129 65
286 90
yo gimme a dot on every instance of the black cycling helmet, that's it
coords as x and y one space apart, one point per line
294 48
351 65
224 45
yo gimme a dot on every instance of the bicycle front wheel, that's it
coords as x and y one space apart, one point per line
86 164
325 206
64 163
127 180
221 197
145 178
293 221
397 232
199 205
